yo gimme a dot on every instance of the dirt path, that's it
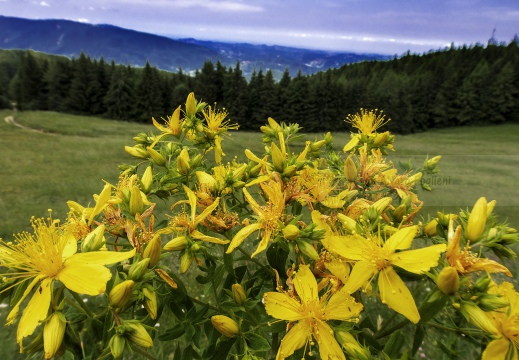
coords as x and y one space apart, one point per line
10 120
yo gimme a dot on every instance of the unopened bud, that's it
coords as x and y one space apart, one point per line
413 179
185 261
277 158
490 207
190 105
399 212
95 240
316 146
380 139
53 333
138 335
307 249
176 244
150 301
136 151
156 156
117 345
138 269
153 250
225 325
136 202
492 302
429 164
183 162
290 170
120 294
482 283
290 232
147 180
274 125
477 220
348 223
238 294
328 138
352 346
448 280
350 170
382 204
477 317
430 228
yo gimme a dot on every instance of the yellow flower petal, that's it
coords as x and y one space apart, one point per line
207 211
395 294
282 306
101 257
241 236
350 246
192 200
200 236
84 278
306 285
70 246
263 243
500 349
36 310
252 202
11 317
402 239
420 260
295 339
329 348
361 273
341 306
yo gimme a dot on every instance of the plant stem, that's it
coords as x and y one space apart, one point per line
82 304
140 351
256 261
401 324
203 303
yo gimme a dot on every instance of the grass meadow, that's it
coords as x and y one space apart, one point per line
65 157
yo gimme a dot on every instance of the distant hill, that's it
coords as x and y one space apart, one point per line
124 46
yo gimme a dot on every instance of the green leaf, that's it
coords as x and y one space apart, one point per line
419 335
172 333
257 342
222 349
277 258
394 344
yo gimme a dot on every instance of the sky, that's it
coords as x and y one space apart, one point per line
365 26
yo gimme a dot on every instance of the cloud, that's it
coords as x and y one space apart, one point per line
211 5
43 3
82 20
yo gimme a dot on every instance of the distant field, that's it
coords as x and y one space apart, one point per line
72 155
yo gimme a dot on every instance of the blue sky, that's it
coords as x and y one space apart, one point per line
375 26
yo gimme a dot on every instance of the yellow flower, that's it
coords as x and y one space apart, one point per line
465 261
269 217
374 257
311 314
367 121
506 346
186 225
173 124
48 255
215 127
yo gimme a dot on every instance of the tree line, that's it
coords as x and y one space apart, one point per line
456 86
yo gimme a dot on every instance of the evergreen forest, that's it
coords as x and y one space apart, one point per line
457 86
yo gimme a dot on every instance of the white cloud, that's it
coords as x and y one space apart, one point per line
43 3
212 5
83 20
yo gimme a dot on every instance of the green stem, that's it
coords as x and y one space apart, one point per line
215 294
140 351
203 303
256 261
82 304
401 324
466 331
386 324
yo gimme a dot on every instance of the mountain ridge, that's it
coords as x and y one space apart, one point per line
132 47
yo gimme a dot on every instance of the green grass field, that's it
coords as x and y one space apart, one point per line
68 157
72 155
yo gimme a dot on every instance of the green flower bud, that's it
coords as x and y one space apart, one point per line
147 180
225 325
308 250
191 105
448 280
185 261
290 232
150 301
477 220
380 139
238 294
430 228
53 333
121 294
95 240
138 269
138 335
136 202
176 244
350 170
117 345
277 158
136 151
153 250
156 156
